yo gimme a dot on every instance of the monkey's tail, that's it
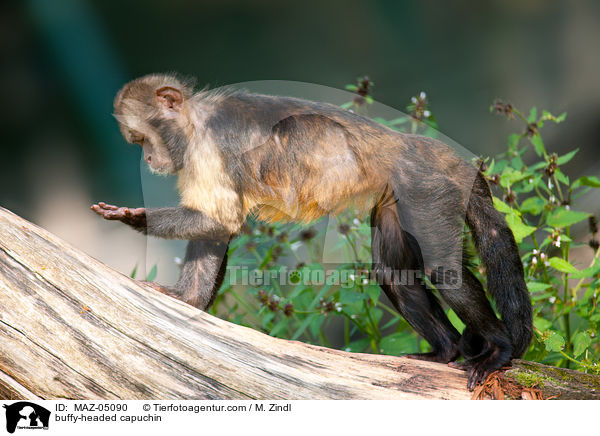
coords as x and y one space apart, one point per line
500 255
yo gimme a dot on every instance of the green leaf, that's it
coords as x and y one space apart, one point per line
502 206
519 229
537 286
455 320
305 323
397 121
548 116
560 176
398 343
538 165
562 265
554 342
373 292
532 115
280 327
538 144
533 205
351 296
391 322
542 296
315 325
267 317
531 184
587 272
364 228
562 217
152 274
358 345
510 176
513 141
500 165
351 88
134 272
589 293
592 181
541 324
581 341
517 163
567 157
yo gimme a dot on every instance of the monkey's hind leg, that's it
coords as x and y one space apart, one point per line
485 343
395 250
202 273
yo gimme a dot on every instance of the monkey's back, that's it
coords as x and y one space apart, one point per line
303 159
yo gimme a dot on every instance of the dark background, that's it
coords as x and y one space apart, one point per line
63 61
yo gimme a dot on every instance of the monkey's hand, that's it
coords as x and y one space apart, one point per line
135 218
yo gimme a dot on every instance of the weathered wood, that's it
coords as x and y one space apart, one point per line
70 327
559 383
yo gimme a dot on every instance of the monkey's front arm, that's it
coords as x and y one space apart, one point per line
167 222
206 255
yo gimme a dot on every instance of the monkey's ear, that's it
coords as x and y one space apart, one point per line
169 98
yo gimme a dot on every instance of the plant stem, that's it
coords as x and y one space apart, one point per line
566 317
583 364
355 322
580 282
346 332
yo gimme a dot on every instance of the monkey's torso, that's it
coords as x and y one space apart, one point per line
296 160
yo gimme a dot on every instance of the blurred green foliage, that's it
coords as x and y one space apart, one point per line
537 201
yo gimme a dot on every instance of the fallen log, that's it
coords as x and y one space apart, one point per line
71 327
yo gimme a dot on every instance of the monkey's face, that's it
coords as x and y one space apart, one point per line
152 115
157 157
155 152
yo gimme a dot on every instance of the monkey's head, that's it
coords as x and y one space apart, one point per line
152 112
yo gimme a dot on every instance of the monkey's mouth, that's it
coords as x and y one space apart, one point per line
159 171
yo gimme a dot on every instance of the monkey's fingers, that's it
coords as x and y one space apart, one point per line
97 209
100 207
103 205
109 214
478 376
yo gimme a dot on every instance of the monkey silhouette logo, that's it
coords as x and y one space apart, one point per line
26 415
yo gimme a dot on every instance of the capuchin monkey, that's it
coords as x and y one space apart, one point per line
286 159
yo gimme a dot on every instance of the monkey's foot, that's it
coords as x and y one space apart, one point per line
171 292
477 373
433 356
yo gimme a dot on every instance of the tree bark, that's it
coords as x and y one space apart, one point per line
71 327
